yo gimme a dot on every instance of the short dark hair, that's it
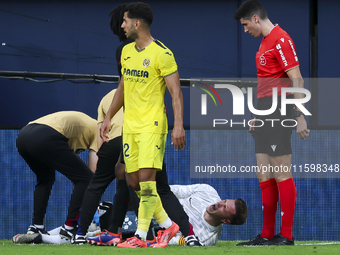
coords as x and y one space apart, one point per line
139 10
248 9
117 15
241 214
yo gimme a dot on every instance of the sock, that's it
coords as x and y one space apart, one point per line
181 240
161 216
135 200
141 234
287 190
270 196
72 222
177 240
166 224
79 231
191 230
39 226
147 204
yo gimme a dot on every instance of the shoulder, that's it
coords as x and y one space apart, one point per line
161 47
160 44
75 118
166 58
128 47
110 94
281 35
123 44
207 187
107 97
202 187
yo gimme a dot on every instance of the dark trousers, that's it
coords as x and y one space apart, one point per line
46 150
108 155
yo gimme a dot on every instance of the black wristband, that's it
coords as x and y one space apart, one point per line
299 113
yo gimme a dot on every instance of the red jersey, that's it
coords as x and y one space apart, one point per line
275 56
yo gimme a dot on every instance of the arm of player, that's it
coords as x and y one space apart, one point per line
295 75
252 124
99 139
184 191
117 103
174 87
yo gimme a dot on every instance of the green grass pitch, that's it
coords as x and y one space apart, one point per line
222 248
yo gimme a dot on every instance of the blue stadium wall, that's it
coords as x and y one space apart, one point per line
75 37
207 42
317 206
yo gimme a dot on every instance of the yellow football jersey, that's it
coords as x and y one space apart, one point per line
79 128
144 87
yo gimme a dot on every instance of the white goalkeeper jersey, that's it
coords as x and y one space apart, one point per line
195 199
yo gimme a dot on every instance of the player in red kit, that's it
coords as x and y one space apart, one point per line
277 67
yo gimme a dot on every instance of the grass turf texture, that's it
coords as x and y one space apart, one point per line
313 247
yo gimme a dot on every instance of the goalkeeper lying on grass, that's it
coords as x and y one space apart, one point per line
207 214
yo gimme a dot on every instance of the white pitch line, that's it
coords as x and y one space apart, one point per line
319 243
256 246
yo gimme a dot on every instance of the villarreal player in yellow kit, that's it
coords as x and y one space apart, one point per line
148 68
145 123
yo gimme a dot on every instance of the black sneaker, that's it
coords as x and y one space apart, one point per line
258 240
67 234
77 239
192 240
279 240
34 230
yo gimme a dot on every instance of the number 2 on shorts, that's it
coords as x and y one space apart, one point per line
126 148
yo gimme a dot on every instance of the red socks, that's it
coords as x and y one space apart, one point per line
191 230
72 222
270 196
287 201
